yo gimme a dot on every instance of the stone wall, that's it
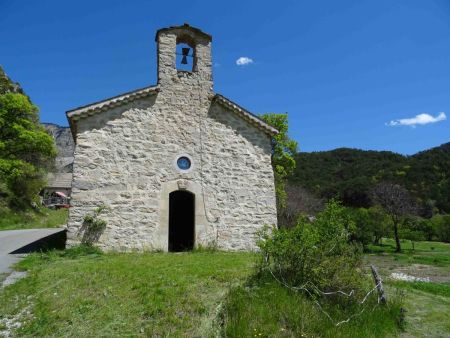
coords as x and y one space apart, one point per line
125 158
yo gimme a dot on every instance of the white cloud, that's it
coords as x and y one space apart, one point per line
243 61
418 119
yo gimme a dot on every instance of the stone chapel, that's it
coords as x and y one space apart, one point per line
177 165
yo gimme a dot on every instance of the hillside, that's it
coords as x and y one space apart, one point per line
350 174
7 85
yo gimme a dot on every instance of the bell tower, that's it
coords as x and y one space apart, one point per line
184 56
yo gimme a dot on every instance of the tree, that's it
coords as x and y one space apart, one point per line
397 203
299 201
25 149
412 231
380 223
371 224
283 152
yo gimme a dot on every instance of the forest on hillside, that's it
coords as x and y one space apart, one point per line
350 175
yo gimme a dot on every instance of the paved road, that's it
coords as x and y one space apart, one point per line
12 240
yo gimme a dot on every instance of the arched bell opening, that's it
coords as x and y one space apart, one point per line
185 54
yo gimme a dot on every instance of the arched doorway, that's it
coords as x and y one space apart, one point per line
181 220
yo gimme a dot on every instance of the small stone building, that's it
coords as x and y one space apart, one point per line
176 164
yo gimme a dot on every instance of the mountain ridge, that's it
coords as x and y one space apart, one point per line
350 174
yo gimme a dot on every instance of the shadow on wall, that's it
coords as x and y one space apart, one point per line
99 121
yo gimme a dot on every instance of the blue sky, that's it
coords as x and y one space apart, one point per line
343 70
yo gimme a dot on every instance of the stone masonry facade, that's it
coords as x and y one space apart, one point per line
127 147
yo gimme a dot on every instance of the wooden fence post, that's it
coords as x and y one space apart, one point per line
379 284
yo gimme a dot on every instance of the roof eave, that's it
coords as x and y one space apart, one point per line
246 115
99 106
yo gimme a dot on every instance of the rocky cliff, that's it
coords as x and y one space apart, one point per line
64 144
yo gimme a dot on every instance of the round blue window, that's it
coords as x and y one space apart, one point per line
184 163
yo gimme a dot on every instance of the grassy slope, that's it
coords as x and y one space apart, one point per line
47 218
112 295
427 304
155 294
159 294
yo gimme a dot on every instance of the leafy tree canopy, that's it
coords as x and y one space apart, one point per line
283 154
25 148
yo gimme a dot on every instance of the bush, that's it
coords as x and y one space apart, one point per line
316 254
441 226
93 226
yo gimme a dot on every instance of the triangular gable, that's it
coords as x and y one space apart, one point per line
94 108
97 107
245 114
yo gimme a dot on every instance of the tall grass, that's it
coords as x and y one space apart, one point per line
264 308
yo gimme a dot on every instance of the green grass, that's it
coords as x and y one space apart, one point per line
426 304
83 292
427 312
388 245
45 218
264 308
439 289
429 253
89 294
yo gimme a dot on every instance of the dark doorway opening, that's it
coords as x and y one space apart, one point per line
181 221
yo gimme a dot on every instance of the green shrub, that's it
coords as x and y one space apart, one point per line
317 255
441 226
93 226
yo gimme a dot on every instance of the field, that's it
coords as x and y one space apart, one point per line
83 292
45 218
426 303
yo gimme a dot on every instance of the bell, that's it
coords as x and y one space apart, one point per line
185 52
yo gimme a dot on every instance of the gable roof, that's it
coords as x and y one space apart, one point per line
94 108
97 107
245 114
184 27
